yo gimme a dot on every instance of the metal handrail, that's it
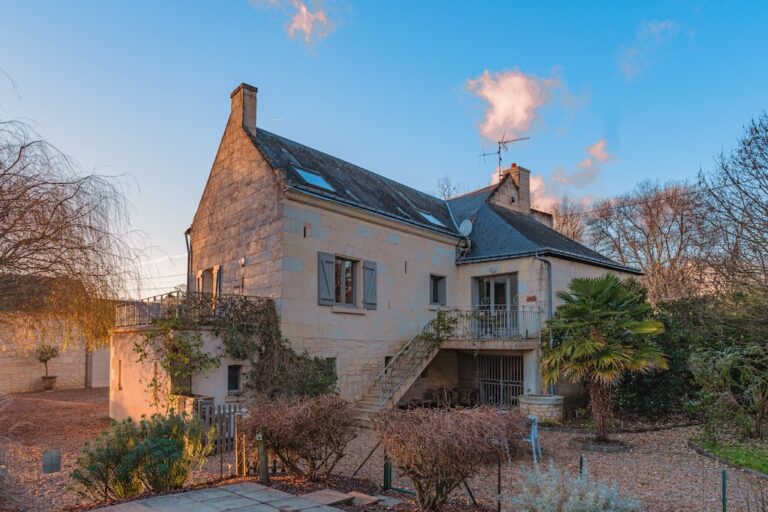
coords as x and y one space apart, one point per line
478 324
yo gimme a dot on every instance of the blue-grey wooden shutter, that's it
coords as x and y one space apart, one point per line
441 291
325 281
369 284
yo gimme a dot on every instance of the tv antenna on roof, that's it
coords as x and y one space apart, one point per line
502 146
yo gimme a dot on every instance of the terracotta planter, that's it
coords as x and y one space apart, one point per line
49 382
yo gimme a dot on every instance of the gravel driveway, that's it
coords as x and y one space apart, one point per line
35 422
660 470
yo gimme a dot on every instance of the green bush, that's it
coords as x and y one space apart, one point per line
552 490
156 454
171 447
106 469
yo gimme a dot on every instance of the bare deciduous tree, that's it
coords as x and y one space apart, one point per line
568 218
59 225
658 230
446 188
736 220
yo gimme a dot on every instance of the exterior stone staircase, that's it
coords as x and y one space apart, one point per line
482 326
400 374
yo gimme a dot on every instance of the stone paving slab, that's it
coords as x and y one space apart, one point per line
293 504
328 497
241 497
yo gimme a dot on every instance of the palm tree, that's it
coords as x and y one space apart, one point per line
600 332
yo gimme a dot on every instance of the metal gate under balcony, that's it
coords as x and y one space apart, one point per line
499 379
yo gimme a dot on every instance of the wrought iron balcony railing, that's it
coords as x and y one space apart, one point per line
192 307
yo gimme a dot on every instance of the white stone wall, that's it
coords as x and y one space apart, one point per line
128 394
20 372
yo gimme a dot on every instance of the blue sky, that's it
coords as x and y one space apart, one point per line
655 89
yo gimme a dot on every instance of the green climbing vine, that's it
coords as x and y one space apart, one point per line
179 352
249 329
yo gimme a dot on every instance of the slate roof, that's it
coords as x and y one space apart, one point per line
353 185
498 233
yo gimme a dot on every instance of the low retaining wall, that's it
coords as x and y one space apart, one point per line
544 407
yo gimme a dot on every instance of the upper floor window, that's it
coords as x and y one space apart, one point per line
338 281
345 280
437 290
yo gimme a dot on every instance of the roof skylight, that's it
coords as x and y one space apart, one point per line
431 218
314 179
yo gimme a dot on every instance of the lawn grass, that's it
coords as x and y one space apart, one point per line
739 455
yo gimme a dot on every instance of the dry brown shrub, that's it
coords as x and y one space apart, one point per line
309 435
438 449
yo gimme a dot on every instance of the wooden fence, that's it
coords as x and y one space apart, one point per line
224 419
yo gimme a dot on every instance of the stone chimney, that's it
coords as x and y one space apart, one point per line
522 178
244 106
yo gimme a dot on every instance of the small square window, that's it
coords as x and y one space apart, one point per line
437 290
345 280
234 373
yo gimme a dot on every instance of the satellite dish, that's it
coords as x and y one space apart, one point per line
465 228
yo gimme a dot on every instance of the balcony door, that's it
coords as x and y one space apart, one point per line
495 293
495 304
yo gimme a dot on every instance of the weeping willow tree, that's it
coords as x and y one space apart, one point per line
63 248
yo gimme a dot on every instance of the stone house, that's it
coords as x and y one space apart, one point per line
359 264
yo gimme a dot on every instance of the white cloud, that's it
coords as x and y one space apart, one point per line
547 194
514 99
314 25
650 37
309 25
589 169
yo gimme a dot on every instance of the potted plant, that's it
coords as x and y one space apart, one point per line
44 353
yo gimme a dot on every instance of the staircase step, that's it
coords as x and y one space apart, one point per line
363 500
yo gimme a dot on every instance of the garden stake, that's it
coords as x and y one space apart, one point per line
581 464
469 492
498 488
724 491
237 449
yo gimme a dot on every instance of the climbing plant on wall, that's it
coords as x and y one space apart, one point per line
249 330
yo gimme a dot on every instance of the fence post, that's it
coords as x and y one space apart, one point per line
387 473
263 459
724 491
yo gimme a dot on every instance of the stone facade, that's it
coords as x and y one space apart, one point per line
237 227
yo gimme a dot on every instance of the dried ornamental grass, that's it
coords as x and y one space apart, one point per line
438 449
309 435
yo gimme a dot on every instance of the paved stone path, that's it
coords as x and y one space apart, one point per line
242 497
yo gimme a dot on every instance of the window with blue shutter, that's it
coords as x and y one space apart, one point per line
325 278
369 285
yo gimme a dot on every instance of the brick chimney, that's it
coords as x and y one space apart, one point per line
244 106
522 178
